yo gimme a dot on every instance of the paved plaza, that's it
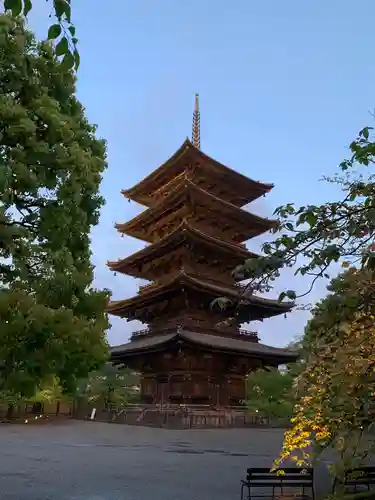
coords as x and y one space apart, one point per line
97 461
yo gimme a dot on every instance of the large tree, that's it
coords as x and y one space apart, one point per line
336 388
336 385
52 320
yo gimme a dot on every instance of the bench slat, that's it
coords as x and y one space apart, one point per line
357 476
360 476
281 475
360 480
361 469
285 481
270 483
287 470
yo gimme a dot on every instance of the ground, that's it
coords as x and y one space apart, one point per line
98 461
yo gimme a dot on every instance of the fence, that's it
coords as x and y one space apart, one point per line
56 408
178 417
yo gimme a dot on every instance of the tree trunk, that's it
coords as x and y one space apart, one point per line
10 412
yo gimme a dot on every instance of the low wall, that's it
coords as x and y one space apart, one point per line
179 418
55 408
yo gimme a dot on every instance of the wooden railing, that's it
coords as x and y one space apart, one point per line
243 333
140 333
247 333
142 288
222 282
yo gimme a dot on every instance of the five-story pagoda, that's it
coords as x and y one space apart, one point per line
195 228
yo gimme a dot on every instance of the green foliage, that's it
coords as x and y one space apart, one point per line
347 297
49 392
270 393
62 31
52 320
295 368
311 238
109 387
336 387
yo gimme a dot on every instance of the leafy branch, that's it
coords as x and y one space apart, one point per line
62 32
340 231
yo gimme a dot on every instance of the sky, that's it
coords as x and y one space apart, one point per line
284 88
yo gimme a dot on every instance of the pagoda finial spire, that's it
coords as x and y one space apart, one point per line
196 134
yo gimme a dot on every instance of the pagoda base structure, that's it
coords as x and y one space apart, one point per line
196 369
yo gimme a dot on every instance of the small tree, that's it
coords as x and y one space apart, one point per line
110 387
50 392
270 393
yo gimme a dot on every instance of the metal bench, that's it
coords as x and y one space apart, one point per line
290 478
358 478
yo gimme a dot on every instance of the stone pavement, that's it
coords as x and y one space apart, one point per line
98 461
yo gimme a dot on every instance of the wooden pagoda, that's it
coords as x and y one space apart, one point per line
195 228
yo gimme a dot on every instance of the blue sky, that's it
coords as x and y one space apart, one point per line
284 87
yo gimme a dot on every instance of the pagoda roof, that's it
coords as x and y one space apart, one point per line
247 188
213 342
249 224
132 265
148 297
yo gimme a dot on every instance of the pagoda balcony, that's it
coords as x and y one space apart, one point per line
148 286
140 333
253 336
151 331
223 280
249 335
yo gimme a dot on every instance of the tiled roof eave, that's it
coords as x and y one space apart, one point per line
180 192
218 343
187 146
176 237
218 291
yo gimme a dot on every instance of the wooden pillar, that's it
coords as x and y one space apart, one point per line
187 388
